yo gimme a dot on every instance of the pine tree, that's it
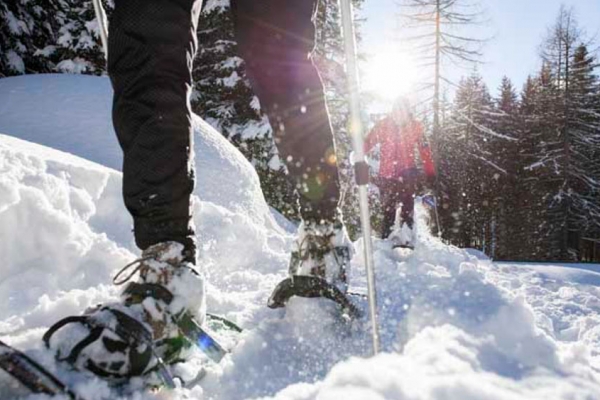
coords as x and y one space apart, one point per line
469 170
545 168
27 35
584 127
527 243
568 135
505 194
77 48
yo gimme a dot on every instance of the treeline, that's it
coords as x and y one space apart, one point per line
520 170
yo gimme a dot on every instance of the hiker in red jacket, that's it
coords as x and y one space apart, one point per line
399 135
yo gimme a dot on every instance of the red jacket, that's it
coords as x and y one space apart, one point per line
398 147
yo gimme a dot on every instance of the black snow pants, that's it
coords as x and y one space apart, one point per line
394 192
152 44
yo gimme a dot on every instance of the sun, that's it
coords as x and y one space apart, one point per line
389 74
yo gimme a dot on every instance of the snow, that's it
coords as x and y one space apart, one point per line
60 102
45 52
453 324
15 62
15 26
275 163
212 5
75 66
229 81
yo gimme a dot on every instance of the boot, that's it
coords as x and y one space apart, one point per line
142 332
323 250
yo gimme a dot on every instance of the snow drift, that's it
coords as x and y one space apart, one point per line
453 326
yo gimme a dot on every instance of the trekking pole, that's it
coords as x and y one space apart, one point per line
361 168
101 18
437 215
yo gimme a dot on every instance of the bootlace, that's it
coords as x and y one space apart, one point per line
139 262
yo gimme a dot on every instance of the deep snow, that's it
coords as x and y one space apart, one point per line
454 326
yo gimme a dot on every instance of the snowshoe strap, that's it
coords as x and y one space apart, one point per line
65 321
311 287
94 335
128 329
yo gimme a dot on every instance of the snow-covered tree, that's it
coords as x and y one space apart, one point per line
329 57
50 36
78 48
505 193
470 170
27 35
583 127
524 221
570 132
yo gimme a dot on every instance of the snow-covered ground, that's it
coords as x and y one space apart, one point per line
453 325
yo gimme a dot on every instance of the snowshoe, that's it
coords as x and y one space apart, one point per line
319 266
159 317
30 376
311 287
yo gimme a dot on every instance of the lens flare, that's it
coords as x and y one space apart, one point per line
389 74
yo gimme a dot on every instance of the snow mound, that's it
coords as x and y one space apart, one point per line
66 112
73 114
52 208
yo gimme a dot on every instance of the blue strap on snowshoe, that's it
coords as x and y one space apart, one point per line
188 326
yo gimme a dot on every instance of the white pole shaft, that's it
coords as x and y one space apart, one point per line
356 130
437 217
101 18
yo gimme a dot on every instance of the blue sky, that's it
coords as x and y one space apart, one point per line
517 27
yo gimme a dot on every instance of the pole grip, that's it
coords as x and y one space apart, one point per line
361 173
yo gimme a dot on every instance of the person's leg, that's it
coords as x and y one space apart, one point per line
407 193
275 38
151 48
389 190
